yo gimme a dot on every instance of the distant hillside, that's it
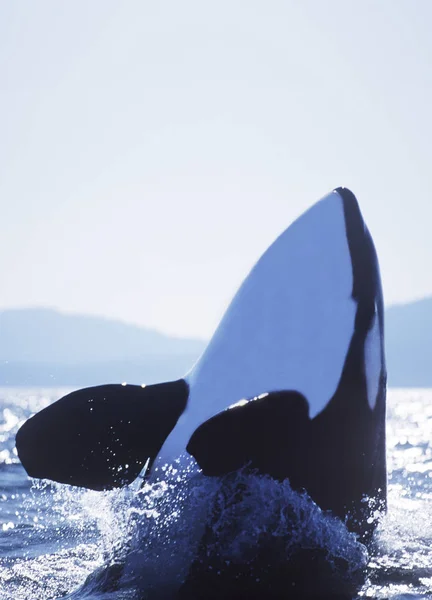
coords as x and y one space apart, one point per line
44 347
408 331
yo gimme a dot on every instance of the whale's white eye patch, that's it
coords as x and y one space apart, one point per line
373 360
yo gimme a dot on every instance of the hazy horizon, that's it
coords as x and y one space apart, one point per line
127 322
151 152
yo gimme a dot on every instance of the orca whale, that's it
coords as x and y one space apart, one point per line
291 385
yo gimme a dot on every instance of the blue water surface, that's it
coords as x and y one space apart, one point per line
58 542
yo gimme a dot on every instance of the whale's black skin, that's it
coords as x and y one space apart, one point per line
338 457
307 575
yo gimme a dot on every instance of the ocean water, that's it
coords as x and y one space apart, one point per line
138 543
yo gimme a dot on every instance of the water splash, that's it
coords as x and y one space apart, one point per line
187 520
61 535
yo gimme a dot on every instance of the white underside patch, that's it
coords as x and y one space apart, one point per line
288 327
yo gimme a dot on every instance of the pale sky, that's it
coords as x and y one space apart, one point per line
151 151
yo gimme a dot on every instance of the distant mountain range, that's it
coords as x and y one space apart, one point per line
408 333
40 347
45 347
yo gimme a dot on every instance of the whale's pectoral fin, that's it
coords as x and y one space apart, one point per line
269 434
100 437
